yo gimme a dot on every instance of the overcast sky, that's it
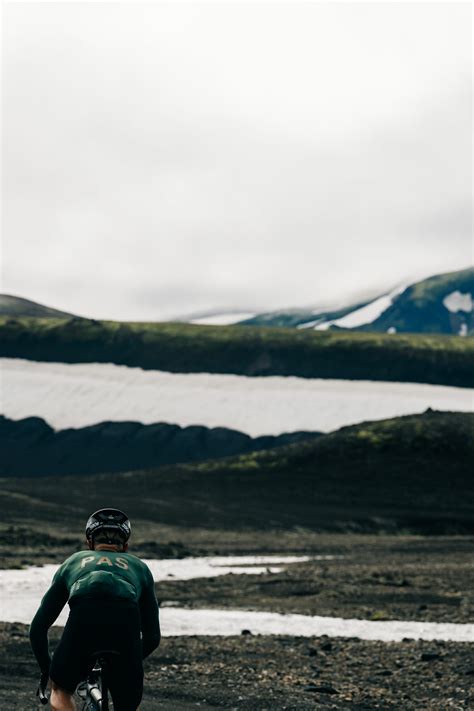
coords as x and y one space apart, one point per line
169 158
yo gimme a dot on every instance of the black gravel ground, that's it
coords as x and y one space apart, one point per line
266 672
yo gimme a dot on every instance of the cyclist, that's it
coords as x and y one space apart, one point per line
111 595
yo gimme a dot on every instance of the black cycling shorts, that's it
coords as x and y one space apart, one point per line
95 625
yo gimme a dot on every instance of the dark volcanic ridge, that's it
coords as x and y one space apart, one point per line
30 447
407 474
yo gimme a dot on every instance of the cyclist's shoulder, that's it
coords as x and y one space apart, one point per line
137 562
74 558
134 559
69 563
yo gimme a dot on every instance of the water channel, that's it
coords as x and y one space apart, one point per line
21 591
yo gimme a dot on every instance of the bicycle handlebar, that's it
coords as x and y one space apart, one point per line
42 695
41 691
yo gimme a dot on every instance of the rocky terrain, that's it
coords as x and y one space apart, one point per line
380 577
267 673
397 578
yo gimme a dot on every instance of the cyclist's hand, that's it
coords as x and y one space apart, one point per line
41 691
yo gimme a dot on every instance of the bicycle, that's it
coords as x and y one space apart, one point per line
94 690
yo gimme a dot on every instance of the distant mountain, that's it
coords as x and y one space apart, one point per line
15 306
225 318
301 318
30 447
439 304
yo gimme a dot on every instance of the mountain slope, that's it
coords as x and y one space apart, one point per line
30 447
300 318
439 304
404 474
15 306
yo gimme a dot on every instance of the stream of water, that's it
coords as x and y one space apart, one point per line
21 592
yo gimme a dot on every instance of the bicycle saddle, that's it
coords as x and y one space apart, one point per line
104 655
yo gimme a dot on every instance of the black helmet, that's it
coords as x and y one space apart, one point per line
108 519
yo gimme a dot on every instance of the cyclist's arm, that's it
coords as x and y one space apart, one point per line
51 605
150 620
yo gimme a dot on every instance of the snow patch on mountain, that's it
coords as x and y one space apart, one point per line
366 314
224 319
456 301
311 324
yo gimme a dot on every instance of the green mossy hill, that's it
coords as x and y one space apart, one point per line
251 351
15 306
449 435
411 474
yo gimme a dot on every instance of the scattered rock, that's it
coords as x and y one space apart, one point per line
326 647
320 689
429 656
245 632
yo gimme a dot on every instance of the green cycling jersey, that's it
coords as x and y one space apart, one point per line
98 574
104 574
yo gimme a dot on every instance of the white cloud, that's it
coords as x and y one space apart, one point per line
170 157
